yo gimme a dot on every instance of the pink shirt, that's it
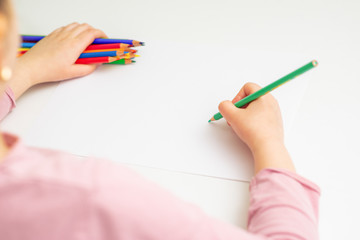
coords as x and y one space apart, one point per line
47 194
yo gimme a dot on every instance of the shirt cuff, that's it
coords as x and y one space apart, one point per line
268 171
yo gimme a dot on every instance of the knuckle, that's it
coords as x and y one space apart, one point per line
223 104
251 87
72 24
248 84
57 30
99 31
91 31
85 25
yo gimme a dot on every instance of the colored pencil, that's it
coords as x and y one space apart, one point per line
96 60
27 44
91 54
23 49
90 47
94 47
128 56
120 50
107 46
31 38
270 87
122 62
125 50
126 41
101 54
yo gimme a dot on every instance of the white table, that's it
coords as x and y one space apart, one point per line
324 139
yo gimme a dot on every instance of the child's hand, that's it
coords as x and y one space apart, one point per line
52 58
259 123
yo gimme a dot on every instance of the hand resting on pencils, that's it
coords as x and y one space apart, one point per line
52 59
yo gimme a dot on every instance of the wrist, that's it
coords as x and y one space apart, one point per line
272 154
265 145
25 71
21 80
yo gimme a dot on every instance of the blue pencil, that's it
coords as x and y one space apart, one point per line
99 54
30 38
27 44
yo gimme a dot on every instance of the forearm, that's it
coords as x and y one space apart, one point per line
272 154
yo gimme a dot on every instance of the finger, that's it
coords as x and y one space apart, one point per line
247 89
64 29
228 110
88 36
78 29
71 26
56 31
83 28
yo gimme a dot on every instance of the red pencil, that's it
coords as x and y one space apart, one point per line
111 49
96 60
107 46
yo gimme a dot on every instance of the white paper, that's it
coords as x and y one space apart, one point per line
154 113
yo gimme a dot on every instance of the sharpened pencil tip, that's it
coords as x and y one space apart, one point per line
142 43
209 120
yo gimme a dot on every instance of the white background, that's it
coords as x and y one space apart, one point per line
324 141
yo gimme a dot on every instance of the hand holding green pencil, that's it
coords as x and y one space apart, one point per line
260 122
269 87
259 125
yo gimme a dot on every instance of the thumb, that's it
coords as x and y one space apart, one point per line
229 110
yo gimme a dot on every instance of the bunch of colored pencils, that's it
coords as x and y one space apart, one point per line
102 50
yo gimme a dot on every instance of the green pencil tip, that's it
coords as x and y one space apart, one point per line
133 61
209 120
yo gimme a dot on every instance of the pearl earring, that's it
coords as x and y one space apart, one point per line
6 74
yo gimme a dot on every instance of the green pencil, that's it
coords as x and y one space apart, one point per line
270 87
122 62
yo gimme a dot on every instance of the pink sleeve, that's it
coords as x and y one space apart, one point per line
126 206
283 205
7 102
67 197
